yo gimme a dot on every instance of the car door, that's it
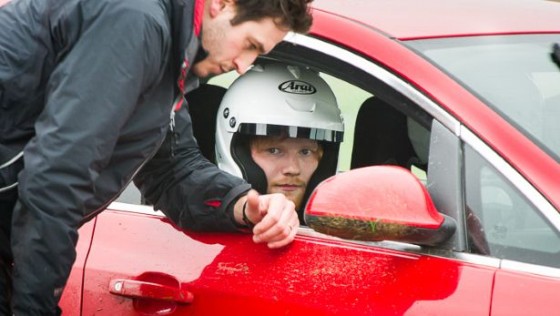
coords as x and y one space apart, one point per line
140 264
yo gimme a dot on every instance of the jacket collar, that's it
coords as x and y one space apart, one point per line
186 23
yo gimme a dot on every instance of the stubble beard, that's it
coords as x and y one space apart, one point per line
211 39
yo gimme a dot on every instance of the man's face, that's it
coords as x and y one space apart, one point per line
288 164
233 47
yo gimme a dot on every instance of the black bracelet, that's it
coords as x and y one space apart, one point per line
246 219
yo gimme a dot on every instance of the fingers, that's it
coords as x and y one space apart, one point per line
285 238
275 218
252 210
279 225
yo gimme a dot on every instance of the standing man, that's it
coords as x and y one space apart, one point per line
91 97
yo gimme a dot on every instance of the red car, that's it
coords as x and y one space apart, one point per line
463 97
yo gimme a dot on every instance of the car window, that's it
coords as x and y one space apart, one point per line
512 227
513 74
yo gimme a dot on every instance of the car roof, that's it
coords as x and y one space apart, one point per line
413 19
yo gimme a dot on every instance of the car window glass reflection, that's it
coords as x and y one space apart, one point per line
515 75
512 227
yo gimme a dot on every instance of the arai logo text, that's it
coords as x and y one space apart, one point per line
297 87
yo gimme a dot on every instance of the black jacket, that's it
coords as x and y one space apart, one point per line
87 87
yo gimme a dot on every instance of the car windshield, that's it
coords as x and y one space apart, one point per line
516 75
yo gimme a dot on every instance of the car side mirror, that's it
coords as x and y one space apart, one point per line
377 203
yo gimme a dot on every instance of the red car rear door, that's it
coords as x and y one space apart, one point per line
519 293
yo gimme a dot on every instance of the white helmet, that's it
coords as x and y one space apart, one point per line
277 99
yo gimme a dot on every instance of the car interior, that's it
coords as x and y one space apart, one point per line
381 136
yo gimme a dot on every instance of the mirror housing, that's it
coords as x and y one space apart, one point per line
377 203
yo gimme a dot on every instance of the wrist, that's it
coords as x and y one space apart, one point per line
239 211
244 217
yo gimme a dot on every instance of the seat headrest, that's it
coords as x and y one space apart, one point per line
381 136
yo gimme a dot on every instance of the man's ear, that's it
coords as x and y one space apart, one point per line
217 6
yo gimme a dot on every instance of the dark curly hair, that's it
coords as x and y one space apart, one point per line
293 15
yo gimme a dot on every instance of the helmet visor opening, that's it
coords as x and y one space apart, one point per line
319 134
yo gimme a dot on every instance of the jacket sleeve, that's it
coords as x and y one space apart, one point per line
89 97
193 192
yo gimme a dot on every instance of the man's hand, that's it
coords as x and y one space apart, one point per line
276 221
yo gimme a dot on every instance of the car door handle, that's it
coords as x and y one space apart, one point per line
149 290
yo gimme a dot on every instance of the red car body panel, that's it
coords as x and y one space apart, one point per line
227 273
537 166
538 292
411 19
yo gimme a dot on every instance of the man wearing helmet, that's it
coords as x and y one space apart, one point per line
279 127
91 96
